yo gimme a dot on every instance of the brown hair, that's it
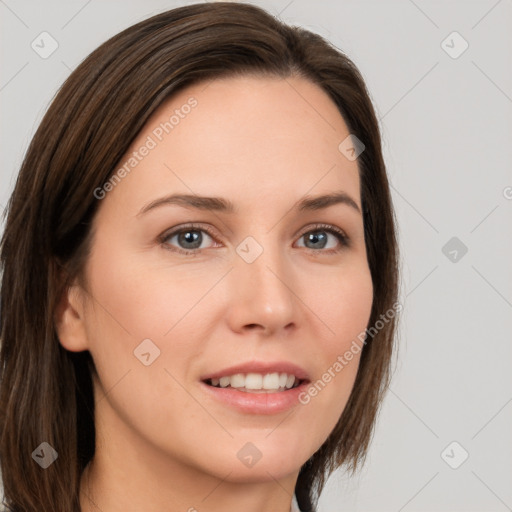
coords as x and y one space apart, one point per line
45 391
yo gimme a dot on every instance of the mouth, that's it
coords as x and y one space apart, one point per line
257 388
274 382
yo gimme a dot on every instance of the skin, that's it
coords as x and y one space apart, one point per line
162 444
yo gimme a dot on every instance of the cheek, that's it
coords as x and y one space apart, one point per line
344 304
144 299
345 307
134 301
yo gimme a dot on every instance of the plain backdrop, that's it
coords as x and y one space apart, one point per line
440 76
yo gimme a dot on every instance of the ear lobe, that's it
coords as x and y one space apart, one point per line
70 320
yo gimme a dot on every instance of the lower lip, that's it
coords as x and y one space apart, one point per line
257 403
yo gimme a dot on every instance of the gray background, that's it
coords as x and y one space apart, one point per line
447 133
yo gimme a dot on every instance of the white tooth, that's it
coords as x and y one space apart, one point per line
215 382
237 380
271 381
224 382
283 377
290 381
253 381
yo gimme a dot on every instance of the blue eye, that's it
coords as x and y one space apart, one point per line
317 238
189 240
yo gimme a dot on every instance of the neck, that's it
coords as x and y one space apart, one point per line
112 491
129 473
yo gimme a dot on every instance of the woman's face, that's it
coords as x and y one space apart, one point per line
258 285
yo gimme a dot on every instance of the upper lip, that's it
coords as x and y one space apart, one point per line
260 367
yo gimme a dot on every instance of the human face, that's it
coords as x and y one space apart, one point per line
254 288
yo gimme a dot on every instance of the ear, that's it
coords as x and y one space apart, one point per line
70 319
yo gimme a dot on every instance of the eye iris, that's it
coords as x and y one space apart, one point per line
312 237
190 237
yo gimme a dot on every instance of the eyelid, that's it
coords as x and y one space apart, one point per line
343 238
176 230
326 227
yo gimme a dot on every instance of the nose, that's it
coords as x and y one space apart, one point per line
261 296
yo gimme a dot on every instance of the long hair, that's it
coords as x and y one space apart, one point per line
45 391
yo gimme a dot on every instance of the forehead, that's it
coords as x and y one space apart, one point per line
285 111
246 137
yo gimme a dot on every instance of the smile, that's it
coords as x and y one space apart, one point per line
257 382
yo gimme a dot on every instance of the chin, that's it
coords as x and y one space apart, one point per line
259 460
261 472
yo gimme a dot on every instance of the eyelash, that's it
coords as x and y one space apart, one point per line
338 233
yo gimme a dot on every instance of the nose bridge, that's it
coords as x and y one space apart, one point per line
262 277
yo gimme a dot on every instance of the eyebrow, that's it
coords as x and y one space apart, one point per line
219 204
